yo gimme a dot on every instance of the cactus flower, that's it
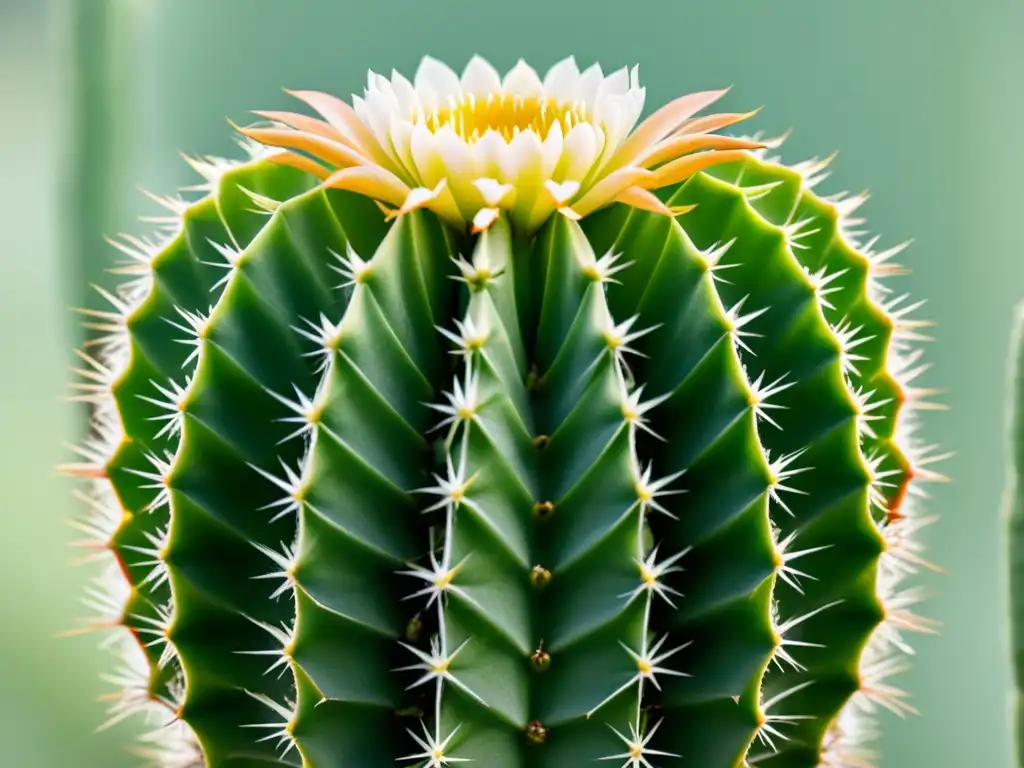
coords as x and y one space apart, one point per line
470 147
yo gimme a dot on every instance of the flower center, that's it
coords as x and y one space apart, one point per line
472 116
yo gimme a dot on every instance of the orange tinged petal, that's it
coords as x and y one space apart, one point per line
644 200
677 146
372 181
662 123
305 123
684 167
608 188
710 123
301 162
344 119
323 149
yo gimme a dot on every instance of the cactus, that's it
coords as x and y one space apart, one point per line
468 422
1014 512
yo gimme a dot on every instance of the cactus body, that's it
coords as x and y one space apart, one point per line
1014 502
406 482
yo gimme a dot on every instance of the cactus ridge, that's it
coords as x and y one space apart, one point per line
632 488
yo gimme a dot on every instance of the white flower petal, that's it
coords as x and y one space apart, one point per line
421 196
480 78
436 80
562 81
562 192
616 84
495 193
523 81
527 158
380 83
359 107
484 218
579 151
423 148
458 169
492 157
590 82
405 94
551 150
401 141
526 154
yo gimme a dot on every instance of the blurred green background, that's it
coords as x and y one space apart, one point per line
923 100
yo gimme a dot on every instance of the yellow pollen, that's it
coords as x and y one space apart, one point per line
592 272
437 754
650 578
644 666
636 752
613 341
440 667
628 413
476 342
643 493
445 580
457 494
471 117
465 413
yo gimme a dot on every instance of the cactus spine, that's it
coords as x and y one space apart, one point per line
526 470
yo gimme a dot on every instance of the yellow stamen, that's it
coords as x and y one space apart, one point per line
471 118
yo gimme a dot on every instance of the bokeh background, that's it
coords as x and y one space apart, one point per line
922 98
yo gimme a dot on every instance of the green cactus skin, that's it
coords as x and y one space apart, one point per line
1014 506
629 487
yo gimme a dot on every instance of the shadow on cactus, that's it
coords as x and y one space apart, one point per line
480 421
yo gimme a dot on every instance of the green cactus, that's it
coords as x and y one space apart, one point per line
469 423
1014 509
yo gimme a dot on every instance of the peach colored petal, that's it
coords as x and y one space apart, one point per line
710 123
306 124
344 119
370 180
676 146
608 188
662 123
644 200
648 201
303 163
334 153
684 167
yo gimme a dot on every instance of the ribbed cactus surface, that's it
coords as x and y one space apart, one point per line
1014 519
429 481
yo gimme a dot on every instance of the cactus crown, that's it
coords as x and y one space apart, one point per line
468 423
